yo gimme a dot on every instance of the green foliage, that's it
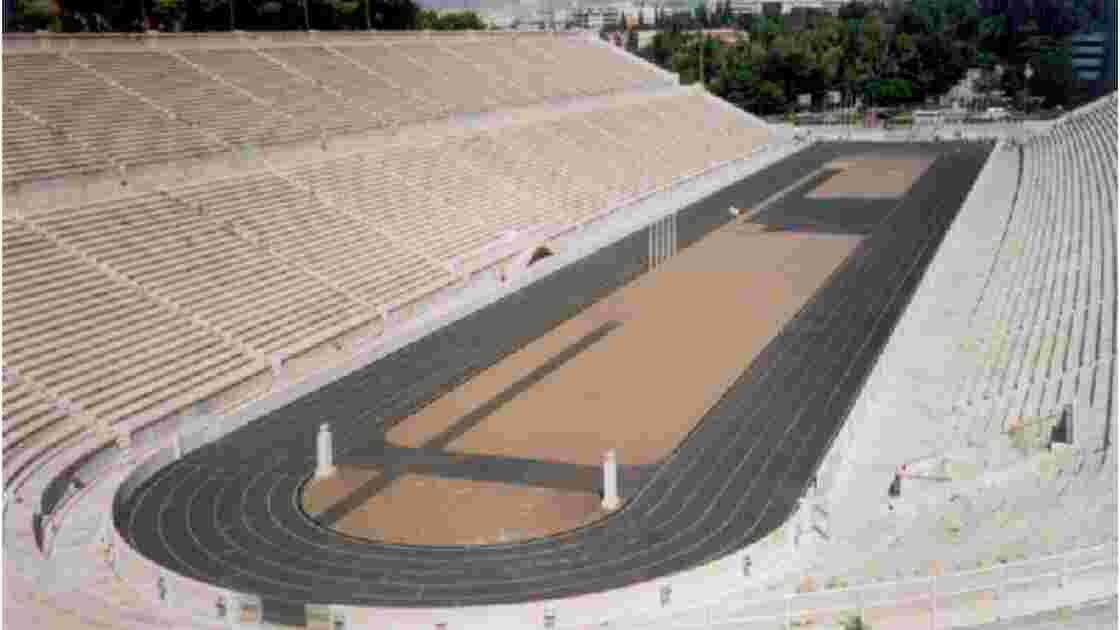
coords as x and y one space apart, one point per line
953 524
855 622
35 14
202 15
348 8
891 91
1054 79
894 54
661 47
428 20
687 54
959 470
887 52
1030 434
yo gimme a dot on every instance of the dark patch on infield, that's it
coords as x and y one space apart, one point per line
393 468
485 467
835 215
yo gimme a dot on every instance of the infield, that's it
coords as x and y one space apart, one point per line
542 418
871 177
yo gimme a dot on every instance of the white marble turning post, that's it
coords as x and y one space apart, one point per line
610 481
325 452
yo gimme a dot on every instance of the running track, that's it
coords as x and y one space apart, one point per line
229 514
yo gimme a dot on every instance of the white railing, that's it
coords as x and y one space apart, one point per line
931 594
203 604
709 596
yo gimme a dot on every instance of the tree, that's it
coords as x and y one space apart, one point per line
32 15
768 97
893 53
1053 77
427 20
854 10
168 15
661 49
394 15
735 76
430 20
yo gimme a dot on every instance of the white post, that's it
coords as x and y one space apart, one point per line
112 551
806 521
674 220
672 234
664 241
276 362
213 427
933 602
163 588
325 452
1002 581
124 442
610 481
106 533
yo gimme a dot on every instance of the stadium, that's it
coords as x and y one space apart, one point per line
489 330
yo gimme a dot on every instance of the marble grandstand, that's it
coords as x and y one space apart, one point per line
187 229
194 286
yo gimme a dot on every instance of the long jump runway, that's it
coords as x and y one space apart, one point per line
230 513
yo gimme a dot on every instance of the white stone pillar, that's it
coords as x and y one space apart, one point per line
805 526
124 441
610 481
793 528
105 535
276 363
325 453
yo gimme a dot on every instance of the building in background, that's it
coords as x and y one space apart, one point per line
1094 58
596 17
579 15
759 7
1088 51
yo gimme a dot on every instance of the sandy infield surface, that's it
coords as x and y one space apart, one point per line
682 333
871 177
